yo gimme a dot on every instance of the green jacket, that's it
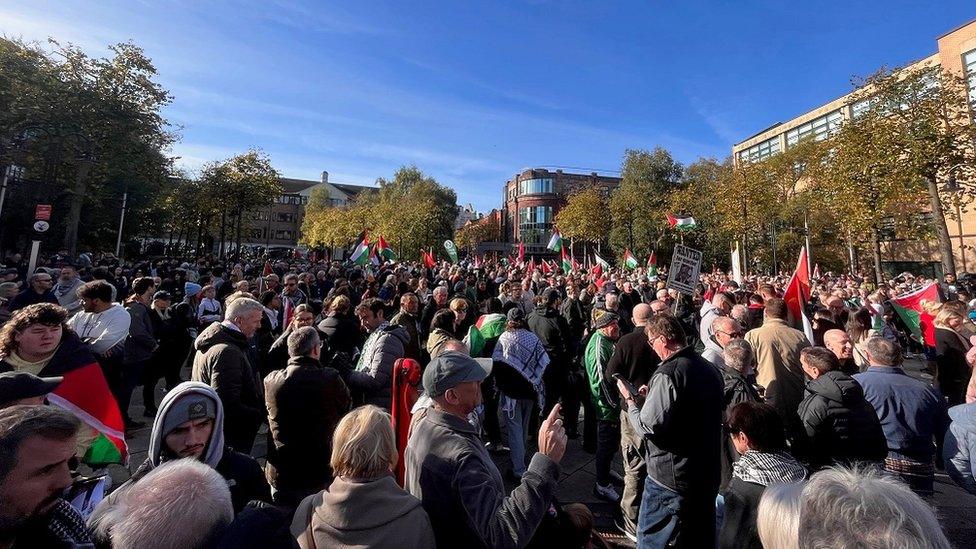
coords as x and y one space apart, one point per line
597 356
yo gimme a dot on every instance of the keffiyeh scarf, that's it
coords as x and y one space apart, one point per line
768 468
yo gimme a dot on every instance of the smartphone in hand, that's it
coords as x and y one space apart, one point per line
634 393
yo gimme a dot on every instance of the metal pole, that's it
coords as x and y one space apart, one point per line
35 248
3 187
118 239
772 239
806 229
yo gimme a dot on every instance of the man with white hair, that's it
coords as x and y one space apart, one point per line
437 302
184 503
724 330
222 362
720 305
862 508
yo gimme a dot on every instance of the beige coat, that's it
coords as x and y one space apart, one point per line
777 347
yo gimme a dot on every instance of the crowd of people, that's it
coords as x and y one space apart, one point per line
734 427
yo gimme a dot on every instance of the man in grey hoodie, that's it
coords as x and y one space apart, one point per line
190 424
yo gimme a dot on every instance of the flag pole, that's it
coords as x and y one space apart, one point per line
806 229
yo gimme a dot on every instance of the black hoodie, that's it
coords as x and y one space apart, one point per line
839 425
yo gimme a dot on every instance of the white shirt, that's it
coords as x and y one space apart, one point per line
104 330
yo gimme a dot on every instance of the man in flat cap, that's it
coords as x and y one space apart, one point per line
451 472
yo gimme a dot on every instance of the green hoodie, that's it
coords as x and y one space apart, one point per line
597 355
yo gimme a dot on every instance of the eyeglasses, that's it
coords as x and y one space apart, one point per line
732 334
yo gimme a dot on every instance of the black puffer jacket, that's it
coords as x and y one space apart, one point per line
552 330
839 425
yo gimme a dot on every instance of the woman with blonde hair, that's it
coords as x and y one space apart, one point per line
952 372
363 507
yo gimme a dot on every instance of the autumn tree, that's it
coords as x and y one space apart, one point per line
923 121
583 218
476 232
638 207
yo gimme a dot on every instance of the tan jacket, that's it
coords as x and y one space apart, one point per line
777 347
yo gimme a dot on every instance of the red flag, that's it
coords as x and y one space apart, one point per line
521 253
428 260
267 269
406 380
798 294
545 267
289 312
816 271
531 264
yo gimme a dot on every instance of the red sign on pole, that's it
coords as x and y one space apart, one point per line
42 212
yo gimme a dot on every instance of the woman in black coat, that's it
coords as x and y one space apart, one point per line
952 371
339 328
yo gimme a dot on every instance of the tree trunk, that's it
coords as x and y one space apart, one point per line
223 231
876 254
941 230
74 209
237 252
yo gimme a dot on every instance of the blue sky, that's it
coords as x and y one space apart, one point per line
472 92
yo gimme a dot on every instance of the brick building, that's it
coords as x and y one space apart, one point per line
533 198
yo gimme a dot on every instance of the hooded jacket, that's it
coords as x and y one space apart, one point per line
376 514
553 331
221 361
242 472
374 375
839 425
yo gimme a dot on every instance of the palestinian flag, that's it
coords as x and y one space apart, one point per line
360 254
909 308
428 259
682 223
521 253
629 260
600 261
556 242
576 266
489 326
652 264
545 267
567 264
384 250
531 266
84 392
374 258
797 295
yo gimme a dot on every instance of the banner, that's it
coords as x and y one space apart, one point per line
684 269
736 264
451 250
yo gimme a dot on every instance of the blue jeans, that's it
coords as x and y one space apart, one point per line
518 426
670 519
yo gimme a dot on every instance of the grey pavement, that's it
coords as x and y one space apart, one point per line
956 507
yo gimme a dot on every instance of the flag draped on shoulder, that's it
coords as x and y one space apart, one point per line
682 222
85 393
798 294
360 254
629 260
556 242
910 308
488 326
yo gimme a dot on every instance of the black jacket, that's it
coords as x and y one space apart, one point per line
305 403
839 425
633 358
553 331
739 525
738 388
426 316
241 471
341 332
952 371
30 297
222 362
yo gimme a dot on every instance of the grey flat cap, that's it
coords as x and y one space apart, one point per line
451 369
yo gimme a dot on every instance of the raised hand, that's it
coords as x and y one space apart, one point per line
552 435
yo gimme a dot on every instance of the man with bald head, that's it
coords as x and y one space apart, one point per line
724 330
635 361
720 305
840 344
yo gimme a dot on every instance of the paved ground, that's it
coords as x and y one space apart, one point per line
956 507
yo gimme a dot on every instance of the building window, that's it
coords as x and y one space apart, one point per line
969 67
282 234
257 234
817 129
260 215
535 186
284 217
535 225
760 151
290 199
